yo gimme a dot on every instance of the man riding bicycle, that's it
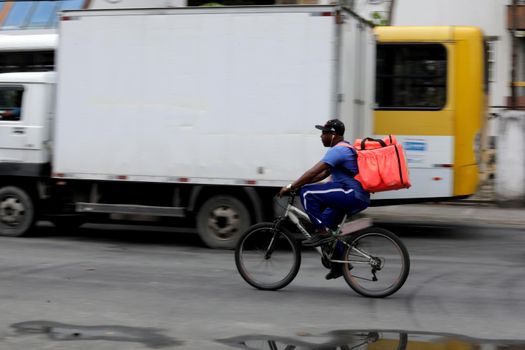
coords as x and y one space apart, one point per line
327 203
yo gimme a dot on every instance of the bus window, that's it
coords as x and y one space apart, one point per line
11 103
411 76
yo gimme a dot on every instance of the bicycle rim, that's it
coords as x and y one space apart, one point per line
267 258
378 263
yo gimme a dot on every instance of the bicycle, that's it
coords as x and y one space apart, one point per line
375 262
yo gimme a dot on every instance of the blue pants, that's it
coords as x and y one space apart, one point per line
326 204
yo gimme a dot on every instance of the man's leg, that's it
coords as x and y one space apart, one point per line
313 201
343 202
322 202
332 217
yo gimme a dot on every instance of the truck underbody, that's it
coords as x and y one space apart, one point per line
220 213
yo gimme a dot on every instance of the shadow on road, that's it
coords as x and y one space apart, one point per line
132 234
452 232
187 236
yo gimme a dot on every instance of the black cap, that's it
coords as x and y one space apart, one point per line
334 125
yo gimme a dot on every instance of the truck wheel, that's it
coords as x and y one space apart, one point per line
221 221
17 213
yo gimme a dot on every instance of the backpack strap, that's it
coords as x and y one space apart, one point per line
347 145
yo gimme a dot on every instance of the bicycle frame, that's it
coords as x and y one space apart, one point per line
293 214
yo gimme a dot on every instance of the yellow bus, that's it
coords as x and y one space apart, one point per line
431 93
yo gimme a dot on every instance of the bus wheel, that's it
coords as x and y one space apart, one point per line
221 221
17 212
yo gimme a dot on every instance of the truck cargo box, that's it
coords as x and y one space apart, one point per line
207 95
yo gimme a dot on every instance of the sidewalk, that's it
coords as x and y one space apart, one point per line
450 213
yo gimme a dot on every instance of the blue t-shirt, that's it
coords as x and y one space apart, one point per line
343 163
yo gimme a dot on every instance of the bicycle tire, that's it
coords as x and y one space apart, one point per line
263 271
388 255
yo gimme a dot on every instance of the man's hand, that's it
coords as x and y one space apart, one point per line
285 190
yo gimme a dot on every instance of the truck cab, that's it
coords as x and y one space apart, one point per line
26 114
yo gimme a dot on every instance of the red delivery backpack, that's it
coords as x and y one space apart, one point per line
382 164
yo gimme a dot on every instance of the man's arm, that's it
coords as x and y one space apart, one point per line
316 173
323 175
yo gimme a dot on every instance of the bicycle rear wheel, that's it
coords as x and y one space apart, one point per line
378 263
267 257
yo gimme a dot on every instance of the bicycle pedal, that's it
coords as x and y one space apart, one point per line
355 225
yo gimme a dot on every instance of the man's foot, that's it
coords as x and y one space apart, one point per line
334 273
318 240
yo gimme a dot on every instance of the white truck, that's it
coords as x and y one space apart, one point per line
198 113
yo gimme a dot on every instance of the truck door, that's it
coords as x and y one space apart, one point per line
12 126
17 134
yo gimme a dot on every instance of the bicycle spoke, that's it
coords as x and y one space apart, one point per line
377 263
267 258
358 252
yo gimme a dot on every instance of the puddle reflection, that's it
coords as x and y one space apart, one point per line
149 337
369 340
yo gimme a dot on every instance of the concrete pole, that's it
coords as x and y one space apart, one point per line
391 12
514 54
510 159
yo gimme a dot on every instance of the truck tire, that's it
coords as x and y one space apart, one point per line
17 211
221 221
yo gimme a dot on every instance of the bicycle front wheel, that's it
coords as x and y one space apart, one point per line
267 257
377 263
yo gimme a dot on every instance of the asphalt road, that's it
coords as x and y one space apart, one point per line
116 288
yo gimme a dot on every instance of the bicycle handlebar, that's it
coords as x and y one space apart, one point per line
293 194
